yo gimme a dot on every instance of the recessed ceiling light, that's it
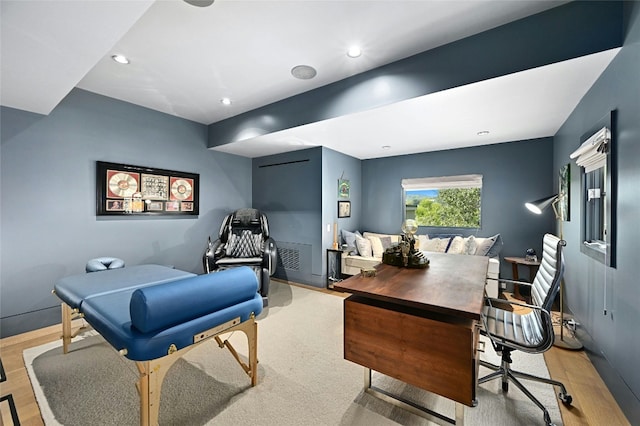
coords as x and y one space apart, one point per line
483 133
386 146
121 59
225 101
303 72
354 52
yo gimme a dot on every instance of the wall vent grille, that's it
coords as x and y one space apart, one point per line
283 164
289 258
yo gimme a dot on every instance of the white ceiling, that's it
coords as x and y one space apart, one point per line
184 59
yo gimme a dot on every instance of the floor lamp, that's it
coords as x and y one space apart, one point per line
570 341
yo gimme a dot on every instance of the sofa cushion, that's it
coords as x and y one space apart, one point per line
353 264
456 246
380 242
438 245
463 245
364 246
470 245
395 238
386 242
450 237
490 246
376 246
349 239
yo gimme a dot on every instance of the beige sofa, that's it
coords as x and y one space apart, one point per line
373 245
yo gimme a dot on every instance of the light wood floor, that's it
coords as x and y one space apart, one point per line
592 403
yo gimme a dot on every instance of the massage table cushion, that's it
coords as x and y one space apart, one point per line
74 289
148 321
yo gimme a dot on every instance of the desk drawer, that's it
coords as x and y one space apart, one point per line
432 352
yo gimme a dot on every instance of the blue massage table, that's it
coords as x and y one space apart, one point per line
154 314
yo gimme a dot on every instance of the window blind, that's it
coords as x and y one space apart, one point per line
442 182
592 154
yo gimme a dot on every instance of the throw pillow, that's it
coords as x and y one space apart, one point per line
364 246
482 246
470 245
449 238
386 242
457 245
349 239
376 246
438 245
485 246
421 242
496 248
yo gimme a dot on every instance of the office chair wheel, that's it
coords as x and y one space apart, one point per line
505 386
565 398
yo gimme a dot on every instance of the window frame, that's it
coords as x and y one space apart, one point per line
603 215
443 182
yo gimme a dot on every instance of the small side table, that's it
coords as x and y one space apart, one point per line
334 267
515 263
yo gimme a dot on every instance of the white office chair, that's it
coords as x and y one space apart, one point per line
530 332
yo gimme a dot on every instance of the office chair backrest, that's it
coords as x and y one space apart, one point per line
546 283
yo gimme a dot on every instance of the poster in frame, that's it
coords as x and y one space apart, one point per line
129 190
344 209
344 188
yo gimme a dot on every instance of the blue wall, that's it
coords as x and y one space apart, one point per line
48 221
288 189
335 166
298 191
513 173
612 339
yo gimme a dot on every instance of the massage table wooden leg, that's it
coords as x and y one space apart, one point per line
66 327
250 329
152 372
150 386
68 333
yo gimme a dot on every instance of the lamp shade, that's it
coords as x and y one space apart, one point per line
542 204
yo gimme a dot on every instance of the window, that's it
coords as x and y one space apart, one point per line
446 201
595 227
596 158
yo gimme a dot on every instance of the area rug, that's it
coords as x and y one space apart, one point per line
302 379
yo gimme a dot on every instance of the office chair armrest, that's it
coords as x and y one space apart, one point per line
510 302
525 283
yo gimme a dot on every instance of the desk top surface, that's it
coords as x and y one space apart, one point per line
452 284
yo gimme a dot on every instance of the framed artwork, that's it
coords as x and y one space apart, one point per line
123 189
155 206
564 189
344 208
344 187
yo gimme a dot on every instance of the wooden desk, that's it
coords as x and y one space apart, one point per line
515 263
419 326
